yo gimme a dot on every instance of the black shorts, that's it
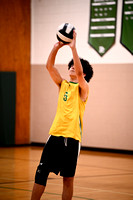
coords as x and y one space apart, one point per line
59 155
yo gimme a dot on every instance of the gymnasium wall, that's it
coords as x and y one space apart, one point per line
15 57
108 119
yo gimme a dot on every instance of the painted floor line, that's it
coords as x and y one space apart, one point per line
98 190
102 190
44 193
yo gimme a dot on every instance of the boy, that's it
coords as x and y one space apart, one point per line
62 148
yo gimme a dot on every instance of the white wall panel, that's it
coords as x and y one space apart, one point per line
48 14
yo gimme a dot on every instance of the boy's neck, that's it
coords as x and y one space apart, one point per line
73 80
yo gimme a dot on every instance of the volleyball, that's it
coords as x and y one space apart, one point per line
65 33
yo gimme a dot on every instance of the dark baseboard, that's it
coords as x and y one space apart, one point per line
38 144
94 149
121 151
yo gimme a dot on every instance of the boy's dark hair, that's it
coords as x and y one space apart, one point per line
87 68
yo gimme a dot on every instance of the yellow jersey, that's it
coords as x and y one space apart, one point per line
68 121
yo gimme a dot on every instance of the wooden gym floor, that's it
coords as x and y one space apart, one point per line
99 176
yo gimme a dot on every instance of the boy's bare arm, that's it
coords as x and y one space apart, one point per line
79 70
55 75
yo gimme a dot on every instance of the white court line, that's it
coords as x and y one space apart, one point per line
98 190
101 190
88 192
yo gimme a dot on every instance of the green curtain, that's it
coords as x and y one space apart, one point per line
7 108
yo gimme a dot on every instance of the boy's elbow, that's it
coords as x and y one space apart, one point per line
79 74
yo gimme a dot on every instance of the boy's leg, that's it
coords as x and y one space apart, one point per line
67 188
37 191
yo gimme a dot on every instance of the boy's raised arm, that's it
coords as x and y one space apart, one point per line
55 75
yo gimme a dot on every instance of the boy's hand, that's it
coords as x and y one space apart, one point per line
73 43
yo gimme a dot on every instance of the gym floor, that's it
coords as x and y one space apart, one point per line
99 175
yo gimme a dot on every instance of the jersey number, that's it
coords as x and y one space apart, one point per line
65 96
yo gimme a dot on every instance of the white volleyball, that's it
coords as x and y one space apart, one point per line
65 32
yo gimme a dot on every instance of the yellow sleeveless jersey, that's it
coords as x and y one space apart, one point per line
68 121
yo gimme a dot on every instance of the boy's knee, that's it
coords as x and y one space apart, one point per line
68 181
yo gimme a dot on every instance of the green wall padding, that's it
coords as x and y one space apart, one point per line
7 108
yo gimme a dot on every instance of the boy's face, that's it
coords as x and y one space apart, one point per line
72 71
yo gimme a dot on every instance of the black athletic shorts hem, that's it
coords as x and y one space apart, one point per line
59 156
